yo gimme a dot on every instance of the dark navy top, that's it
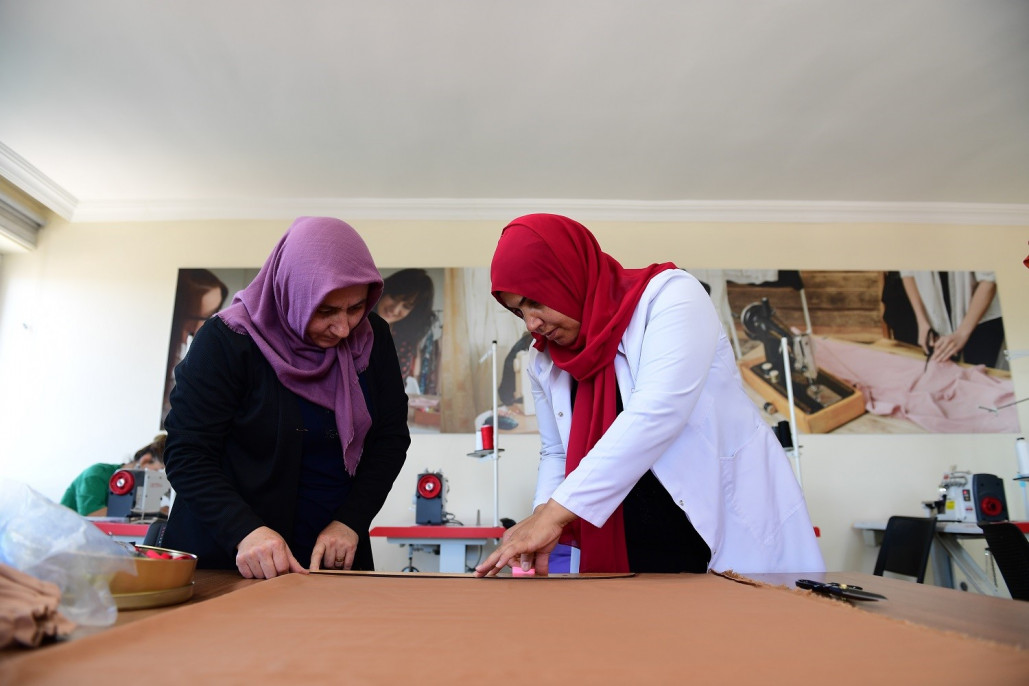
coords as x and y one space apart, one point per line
324 481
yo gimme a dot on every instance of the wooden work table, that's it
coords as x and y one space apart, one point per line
207 584
650 628
995 619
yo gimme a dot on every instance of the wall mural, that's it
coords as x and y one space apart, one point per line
199 293
856 345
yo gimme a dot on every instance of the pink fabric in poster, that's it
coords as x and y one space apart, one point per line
946 398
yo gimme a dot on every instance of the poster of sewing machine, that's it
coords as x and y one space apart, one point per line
848 348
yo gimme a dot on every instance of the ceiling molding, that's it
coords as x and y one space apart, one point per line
491 209
35 183
40 187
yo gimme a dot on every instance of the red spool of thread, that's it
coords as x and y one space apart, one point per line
487 437
122 482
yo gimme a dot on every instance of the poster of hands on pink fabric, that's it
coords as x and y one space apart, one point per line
865 351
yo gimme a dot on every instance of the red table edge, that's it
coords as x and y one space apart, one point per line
428 531
126 529
122 528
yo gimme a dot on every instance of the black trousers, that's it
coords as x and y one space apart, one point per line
658 535
984 343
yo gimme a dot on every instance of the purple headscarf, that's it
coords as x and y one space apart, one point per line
316 256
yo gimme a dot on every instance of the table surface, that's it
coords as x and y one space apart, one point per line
450 630
965 528
207 584
995 619
968 528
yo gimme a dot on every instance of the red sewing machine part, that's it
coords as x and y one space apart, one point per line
991 506
430 499
122 482
430 486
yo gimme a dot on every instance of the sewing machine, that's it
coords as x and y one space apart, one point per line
430 498
136 492
968 497
823 402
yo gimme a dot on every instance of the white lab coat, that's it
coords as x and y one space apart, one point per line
686 417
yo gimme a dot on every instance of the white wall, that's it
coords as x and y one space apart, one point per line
84 324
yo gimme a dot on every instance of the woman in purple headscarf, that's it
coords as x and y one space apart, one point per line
288 421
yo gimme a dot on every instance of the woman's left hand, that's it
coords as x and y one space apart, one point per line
950 345
335 547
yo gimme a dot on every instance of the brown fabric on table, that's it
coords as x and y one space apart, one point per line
28 609
654 629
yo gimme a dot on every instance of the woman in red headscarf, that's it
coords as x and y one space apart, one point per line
653 457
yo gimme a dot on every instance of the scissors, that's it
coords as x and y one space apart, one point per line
835 590
930 345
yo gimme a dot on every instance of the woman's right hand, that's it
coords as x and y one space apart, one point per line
263 554
529 542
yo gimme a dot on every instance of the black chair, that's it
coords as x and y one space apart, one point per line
155 533
906 545
1010 550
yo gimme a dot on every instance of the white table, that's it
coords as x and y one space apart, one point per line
453 541
947 553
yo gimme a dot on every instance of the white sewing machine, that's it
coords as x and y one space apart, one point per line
968 497
136 492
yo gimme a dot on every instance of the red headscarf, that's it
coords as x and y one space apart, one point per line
557 262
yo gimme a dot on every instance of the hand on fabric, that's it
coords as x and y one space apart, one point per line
263 554
952 344
948 346
529 542
335 547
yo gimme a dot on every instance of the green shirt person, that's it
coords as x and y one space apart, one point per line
87 494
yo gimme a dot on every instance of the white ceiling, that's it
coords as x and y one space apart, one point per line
134 108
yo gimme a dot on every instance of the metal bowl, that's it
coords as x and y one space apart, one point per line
154 574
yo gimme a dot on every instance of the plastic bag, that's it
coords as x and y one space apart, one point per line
56 544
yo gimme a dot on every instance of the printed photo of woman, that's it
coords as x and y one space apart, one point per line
407 306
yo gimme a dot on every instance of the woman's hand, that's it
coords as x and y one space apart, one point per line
948 346
952 344
335 547
530 541
263 554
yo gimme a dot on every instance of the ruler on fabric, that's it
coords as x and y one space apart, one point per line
468 575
